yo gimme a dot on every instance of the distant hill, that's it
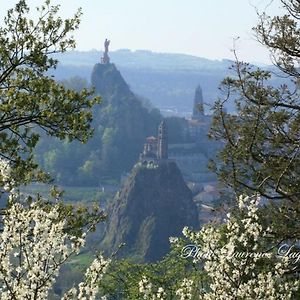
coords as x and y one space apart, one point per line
167 80
143 59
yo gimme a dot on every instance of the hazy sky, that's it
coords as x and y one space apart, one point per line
204 28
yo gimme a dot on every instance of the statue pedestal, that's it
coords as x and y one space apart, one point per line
105 59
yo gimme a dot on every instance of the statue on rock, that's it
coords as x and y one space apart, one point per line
105 59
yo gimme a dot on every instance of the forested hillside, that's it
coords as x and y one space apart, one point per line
121 125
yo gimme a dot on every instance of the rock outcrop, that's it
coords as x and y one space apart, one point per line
109 83
123 122
153 205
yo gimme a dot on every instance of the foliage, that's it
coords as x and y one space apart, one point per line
30 101
259 274
122 280
38 236
261 152
37 239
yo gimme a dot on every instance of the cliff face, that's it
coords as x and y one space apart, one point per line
153 205
121 120
109 82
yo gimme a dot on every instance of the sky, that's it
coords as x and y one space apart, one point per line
204 28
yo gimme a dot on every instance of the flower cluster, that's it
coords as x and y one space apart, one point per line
236 266
33 246
6 180
34 243
146 290
185 291
234 277
88 289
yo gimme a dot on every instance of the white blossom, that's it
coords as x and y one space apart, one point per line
234 277
147 291
90 287
34 244
185 291
6 180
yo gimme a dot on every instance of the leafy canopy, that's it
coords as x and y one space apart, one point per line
30 101
261 141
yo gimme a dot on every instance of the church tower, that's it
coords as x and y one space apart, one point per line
198 109
162 141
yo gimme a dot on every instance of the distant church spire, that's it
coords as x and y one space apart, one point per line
198 109
162 143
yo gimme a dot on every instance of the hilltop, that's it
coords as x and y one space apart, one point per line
153 205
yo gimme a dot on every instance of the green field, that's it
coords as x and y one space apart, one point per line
71 194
